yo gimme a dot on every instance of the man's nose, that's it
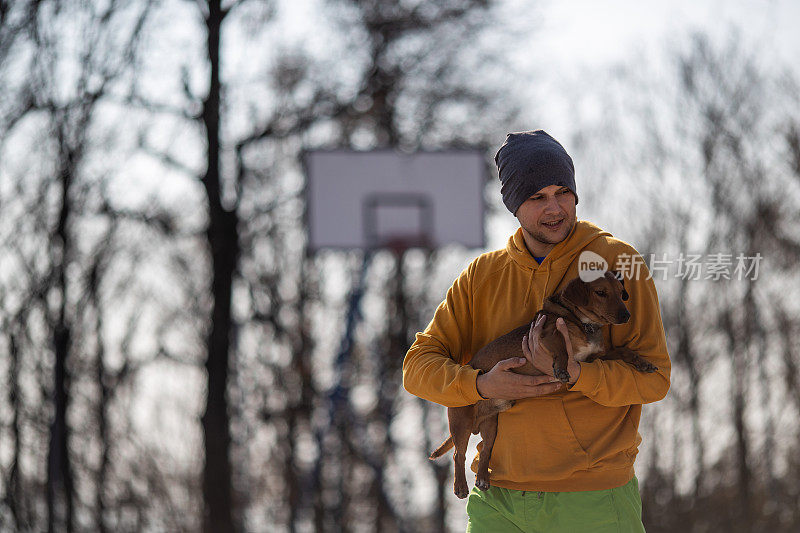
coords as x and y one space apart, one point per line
552 205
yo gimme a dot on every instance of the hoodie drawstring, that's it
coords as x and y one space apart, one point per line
530 287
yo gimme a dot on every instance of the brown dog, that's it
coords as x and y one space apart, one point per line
585 308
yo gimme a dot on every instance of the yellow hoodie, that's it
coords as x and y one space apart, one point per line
581 438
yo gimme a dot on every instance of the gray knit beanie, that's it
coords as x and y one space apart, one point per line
529 161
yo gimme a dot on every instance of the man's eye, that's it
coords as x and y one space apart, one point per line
565 191
602 294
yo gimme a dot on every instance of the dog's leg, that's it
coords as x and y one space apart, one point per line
632 358
488 429
460 420
560 360
486 423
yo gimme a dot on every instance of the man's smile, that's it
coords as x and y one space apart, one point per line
556 224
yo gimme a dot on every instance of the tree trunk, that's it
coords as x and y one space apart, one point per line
738 352
13 486
59 472
223 241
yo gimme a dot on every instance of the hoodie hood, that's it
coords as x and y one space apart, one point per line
562 254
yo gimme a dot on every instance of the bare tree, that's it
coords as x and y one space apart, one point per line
46 321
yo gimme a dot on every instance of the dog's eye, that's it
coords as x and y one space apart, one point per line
601 294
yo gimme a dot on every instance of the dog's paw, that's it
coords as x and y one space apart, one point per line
461 490
482 484
561 375
645 366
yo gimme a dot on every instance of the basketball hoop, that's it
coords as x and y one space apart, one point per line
384 199
399 245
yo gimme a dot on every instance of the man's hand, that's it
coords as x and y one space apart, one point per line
541 359
501 383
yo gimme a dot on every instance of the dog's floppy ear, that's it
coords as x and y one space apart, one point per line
619 277
576 292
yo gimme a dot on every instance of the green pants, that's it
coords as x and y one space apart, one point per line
500 510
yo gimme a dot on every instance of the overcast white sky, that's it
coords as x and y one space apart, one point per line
591 33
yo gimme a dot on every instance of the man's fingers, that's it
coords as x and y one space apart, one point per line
535 381
530 342
511 386
513 362
547 388
536 327
526 349
531 381
561 326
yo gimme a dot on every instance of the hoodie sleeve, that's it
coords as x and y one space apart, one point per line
616 383
431 368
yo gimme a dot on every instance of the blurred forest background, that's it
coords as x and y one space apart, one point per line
171 357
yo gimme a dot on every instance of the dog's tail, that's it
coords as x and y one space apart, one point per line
443 447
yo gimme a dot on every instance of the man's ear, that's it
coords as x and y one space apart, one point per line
576 292
619 277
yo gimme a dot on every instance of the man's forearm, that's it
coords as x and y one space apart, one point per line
437 378
616 383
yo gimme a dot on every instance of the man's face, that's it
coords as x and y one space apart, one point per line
548 215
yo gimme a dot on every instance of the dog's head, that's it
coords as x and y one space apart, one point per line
602 300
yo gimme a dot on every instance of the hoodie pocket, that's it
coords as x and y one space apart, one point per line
608 434
535 441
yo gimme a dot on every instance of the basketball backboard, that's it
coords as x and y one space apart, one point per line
380 198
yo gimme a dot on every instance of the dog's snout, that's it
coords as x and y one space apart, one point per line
623 316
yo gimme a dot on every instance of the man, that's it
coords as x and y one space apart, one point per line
564 454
